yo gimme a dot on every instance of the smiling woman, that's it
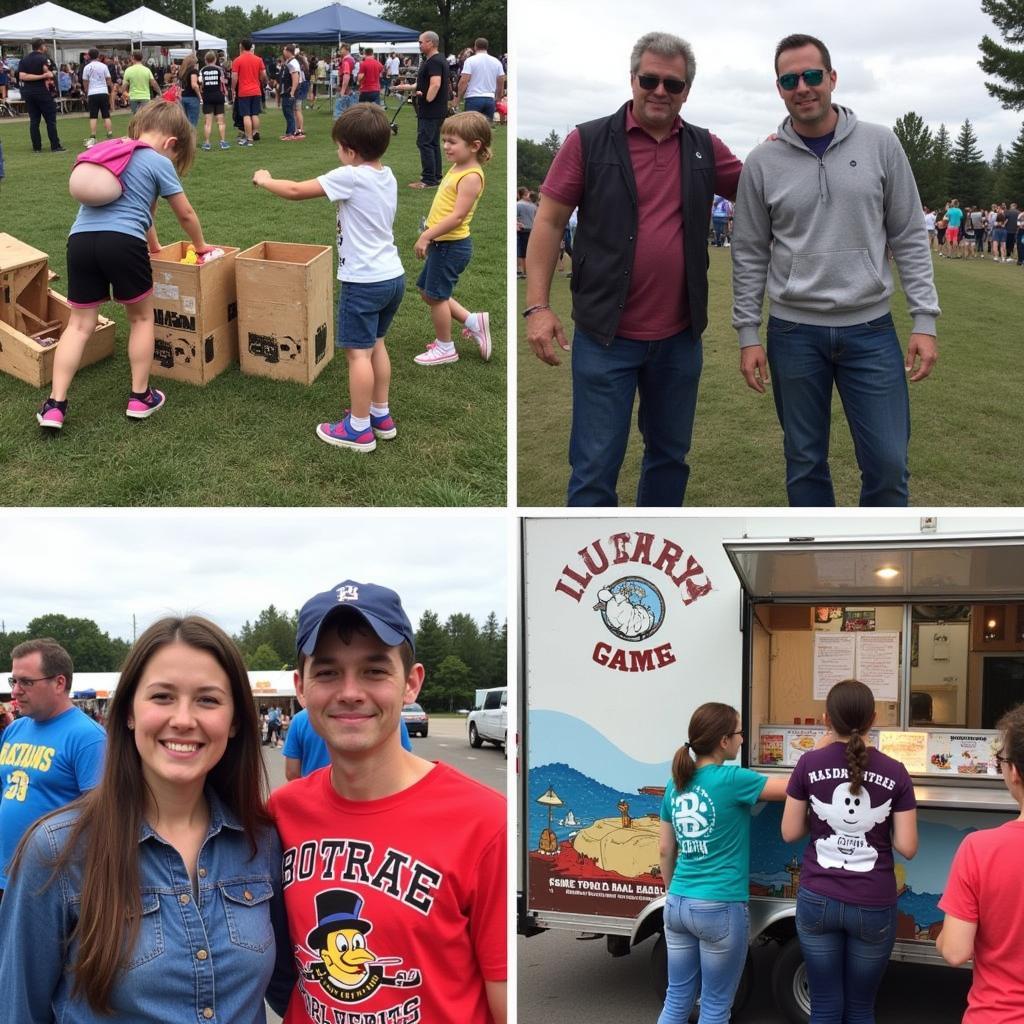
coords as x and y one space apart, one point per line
173 851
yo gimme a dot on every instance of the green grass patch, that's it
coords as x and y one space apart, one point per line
247 440
963 417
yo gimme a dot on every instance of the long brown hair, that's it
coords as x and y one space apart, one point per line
851 710
105 834
709 725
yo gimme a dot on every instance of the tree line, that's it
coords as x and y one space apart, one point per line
459 655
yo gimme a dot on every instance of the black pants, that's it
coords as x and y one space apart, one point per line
428 142
41 106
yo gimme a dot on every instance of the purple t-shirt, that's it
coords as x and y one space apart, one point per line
849 856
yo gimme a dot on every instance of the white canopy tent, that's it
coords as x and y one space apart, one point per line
147 27
56 24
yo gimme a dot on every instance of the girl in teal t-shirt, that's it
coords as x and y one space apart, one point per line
705 862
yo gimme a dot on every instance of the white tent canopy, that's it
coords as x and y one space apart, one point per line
56 24
150 27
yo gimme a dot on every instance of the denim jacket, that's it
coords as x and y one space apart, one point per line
209 959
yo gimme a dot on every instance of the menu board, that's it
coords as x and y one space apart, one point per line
911 748
835 655
963 753
872 657
784 745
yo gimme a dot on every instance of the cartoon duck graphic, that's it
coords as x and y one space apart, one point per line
850 816
340 937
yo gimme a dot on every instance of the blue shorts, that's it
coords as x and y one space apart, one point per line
365 311
999 234
344 102
303 90
445 261
248 106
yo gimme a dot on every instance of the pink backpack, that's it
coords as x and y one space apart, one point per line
96 176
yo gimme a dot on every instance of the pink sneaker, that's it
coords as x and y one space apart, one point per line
343 436
481 337
435 357
140 408
50 416
383 427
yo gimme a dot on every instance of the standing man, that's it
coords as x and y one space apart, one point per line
431 95
370 70
394 867
393 68
140 81
482 81
1012 223
955 217
99 86
816 208
291 78
639 282
34 75
248 80
50 755
346 80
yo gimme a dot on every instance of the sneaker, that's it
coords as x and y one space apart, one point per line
58 149
89 143
383 427
224 144
50 416
207 147
343 436
255 136
435 357
244 142
140 408
483 338
299 133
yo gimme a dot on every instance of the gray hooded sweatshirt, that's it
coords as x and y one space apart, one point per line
815 231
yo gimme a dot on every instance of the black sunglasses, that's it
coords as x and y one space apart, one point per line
813 76
651 82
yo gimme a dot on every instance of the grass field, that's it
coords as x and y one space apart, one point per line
247 440
967 417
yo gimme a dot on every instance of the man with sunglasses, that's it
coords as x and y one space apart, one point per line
817 206
639 280
50 755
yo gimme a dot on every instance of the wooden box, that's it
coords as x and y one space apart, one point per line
286 310
195 315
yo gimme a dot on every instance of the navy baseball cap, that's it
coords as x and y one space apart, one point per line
380 607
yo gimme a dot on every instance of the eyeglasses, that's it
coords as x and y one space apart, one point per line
651 82
729 735
1000 760
24 682
813 76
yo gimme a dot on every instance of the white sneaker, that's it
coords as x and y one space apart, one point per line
435 357
89 143
481 337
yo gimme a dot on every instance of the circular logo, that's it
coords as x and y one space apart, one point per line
631 608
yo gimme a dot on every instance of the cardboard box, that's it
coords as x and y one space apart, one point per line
195 315
286 310
23 356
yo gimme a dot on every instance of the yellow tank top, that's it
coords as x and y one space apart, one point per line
444 203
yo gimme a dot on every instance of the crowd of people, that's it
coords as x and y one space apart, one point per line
973 232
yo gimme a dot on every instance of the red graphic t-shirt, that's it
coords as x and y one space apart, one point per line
396 907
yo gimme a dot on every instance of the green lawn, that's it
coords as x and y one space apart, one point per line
247 440
965 417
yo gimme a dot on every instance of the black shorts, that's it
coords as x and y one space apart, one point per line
99 261
213 108
99 105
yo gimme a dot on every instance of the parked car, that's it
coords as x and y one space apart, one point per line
416 720
489 719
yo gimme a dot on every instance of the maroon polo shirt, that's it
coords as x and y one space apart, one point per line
656 306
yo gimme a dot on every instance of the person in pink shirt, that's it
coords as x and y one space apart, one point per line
984 900
639 281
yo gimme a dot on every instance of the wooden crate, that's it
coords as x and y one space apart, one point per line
194 315
285 310
24 282
23 356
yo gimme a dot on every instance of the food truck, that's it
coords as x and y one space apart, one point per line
630 623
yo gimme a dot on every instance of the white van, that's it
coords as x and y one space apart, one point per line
489 719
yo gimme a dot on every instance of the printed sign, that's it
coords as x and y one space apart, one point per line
911 748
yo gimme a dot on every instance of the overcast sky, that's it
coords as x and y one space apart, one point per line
229 566
892 56
298 7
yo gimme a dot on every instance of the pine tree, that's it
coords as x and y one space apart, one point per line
938 176
1005 62
916 139
1013 173
997 171
968 171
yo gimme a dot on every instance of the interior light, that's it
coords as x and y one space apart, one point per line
887 573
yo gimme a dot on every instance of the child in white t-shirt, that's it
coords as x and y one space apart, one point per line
369 268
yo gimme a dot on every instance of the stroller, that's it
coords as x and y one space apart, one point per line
401 103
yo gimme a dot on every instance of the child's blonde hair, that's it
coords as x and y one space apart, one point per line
167 118
470 126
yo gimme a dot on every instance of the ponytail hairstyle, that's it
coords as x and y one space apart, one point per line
709 725
1011 725
851 710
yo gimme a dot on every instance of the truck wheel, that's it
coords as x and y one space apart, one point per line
659 974
474 736
789 983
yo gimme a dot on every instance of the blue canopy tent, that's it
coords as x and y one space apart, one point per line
334 24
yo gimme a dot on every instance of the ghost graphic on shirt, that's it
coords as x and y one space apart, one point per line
850 816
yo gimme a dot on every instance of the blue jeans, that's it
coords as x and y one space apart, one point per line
342 103
846 950
288 109
707 943
605 379
191 105
482 105
865 363
719 223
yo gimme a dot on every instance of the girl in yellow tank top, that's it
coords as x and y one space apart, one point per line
445 242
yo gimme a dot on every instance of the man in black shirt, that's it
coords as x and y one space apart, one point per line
35 74
431 92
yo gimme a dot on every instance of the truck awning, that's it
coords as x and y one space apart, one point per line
803 570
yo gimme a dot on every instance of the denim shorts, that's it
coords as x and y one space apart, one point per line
365 311
303 90
445 261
